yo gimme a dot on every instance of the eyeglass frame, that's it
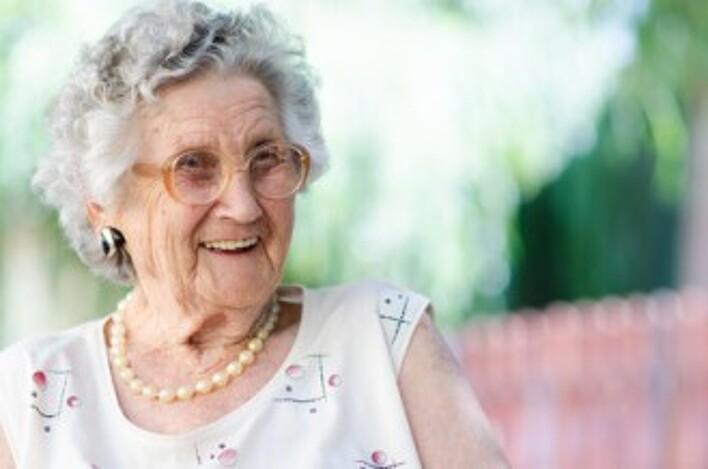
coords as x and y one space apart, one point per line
167 171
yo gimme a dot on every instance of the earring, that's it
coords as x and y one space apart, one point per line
112 241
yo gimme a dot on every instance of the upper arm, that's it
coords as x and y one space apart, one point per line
448 424
6 461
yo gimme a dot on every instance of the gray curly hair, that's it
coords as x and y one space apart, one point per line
146 49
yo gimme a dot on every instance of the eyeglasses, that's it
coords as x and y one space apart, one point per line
276 170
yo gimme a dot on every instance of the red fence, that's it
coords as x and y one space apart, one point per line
610 384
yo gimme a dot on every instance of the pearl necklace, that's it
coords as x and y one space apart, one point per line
219 379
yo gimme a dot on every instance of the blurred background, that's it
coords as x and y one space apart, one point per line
538 168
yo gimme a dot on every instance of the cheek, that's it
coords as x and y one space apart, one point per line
143 209
141 216
282 218
155 226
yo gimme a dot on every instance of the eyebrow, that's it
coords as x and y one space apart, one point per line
193 140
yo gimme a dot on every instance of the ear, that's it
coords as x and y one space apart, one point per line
96 215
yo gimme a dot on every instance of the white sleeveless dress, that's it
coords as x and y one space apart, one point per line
334 402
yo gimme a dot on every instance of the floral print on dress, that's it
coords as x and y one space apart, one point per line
378 460
51 397
394 311
222 455
308 383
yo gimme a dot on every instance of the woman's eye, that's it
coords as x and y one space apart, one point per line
196 161
265 161
197 167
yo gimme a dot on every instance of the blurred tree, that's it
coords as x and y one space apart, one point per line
612 223
602 228
672 78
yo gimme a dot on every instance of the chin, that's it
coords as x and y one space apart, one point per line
238 291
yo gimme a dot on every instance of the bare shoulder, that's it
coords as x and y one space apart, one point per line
448 424
6 461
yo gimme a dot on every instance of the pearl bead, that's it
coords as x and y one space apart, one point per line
246 357
136 385
116 340
220 379
185 393
120 362
166 395
149 391
234 368
255 345
203 386
127 374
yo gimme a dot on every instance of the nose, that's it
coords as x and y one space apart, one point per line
238 201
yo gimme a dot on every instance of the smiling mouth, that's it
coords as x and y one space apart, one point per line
232 246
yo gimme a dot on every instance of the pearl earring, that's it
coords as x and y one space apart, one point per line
112 241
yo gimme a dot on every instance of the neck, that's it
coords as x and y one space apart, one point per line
195 325
124 364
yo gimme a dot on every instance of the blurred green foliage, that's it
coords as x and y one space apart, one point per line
602 228
611 223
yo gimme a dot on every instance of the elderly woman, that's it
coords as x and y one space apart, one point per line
180 143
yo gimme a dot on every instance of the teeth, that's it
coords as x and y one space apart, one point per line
232 245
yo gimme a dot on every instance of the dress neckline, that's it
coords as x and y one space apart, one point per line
106 385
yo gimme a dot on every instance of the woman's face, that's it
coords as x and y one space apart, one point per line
229 252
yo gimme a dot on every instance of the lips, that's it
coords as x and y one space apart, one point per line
231 245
